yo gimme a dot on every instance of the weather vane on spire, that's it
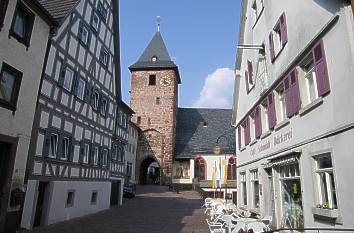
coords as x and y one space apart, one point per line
158 19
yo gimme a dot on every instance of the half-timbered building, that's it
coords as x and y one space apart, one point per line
76 155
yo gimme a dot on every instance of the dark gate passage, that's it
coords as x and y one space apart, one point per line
150 172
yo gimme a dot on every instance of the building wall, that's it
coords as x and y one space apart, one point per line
18 124
162 117
325 125
131 149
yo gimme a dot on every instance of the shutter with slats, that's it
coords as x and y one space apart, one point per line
247 132
283 30
322 79
46 144
246 81
295 91
258 122
250 72
272 117
288 96
3 8
239 137
271 47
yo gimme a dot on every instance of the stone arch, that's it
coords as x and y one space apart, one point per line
150 149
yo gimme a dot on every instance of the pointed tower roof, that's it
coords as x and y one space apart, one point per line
155 56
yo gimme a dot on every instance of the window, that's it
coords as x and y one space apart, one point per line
86 153
22 24
154 59
80 88
66 77
115 152
104 157
65 148
95 21
94 197
70 199
327 196
103 106
10 81
280 104
264 116
3 8
120 154
129 169
157 100
152 80
84 34
138 120
262 74
96 99
95 155
308 86
278 37
257 7
231 170
255 188
104 57
252 127
241 138
243 188
102 11
53 146
200 169
246 130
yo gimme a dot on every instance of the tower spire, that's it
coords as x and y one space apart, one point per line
158 19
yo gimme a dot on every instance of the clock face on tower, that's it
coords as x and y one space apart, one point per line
165 81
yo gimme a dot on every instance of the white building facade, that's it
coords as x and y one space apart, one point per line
130 153
294 112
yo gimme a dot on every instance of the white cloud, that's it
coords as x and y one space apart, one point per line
218 89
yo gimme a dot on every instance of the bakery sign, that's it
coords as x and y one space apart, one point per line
271 142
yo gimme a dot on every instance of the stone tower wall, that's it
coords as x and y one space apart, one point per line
158 121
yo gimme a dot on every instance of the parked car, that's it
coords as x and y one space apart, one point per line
129 190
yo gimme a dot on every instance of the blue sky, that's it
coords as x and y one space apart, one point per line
201 37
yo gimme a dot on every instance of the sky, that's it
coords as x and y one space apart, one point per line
201 38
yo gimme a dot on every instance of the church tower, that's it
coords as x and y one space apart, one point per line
154 99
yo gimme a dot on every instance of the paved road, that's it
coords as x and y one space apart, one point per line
153 210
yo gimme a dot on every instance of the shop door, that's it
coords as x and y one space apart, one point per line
291 197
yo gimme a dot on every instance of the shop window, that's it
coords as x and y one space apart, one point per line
243 186
199 168
255 188
327 196
152 80
10 81
94 197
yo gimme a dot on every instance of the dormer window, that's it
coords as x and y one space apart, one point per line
154 59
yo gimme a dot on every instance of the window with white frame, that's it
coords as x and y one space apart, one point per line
80 88
103 106
84 34
95 21
104 57
53 146
255 188
327 196
96 99
252 127
115 152
276 34
243 188
86 153
262 74
257 7
67 78
95 155
264 116
280 105
104 157
307 80
65 148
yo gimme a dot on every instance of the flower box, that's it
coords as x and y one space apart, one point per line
329 213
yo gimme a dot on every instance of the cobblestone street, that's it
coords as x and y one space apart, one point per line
154 209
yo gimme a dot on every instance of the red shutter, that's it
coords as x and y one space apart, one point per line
246 81
321 69
288 97
271 47
283 30
295 91
250 72
239 137
258 121
3 8
272 117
